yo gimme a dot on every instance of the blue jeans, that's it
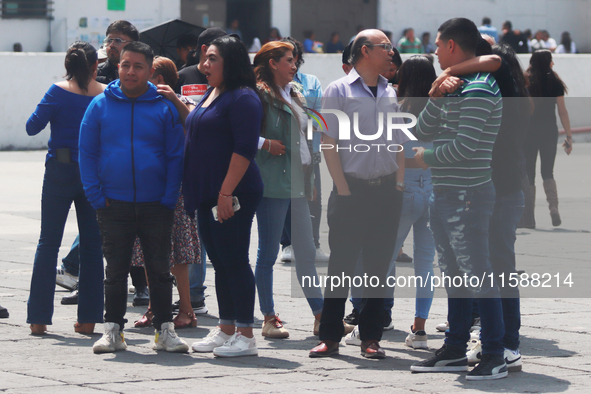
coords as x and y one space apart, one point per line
71 262
197 276
227 245
503 223
460 223
61 187
270 218
415 214
315 213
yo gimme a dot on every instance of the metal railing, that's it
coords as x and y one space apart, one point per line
26 9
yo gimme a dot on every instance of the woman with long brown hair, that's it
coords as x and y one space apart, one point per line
547 90
287 179
186 247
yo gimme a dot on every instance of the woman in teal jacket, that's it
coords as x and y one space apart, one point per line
287 178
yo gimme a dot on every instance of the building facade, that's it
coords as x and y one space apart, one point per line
40 25
52 25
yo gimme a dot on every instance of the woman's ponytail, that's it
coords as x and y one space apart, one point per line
80 58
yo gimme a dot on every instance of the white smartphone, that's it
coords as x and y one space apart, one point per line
235 207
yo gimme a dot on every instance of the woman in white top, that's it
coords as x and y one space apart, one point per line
567 45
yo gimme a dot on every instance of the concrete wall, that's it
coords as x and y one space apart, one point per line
66 26
555 16
27 76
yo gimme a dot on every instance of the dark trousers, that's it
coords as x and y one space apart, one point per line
120 223
366 220
544 141
503 224
227 246
460 221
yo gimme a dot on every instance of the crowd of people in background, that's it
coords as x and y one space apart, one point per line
167 162
522 41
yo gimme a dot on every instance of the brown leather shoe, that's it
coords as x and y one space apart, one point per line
325 349
372 349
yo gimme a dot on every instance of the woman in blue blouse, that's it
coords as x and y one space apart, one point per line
63 106
220 147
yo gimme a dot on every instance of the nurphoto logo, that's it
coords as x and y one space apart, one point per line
393 120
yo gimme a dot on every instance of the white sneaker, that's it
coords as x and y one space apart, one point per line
416 340
287 255
111 341
238 345
65 280
214 339
321 256
474 353
166 339
353 337
513 360
442 327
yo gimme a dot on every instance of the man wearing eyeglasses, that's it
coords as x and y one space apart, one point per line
365 204
119 34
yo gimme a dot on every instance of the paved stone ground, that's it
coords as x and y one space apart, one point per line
555 333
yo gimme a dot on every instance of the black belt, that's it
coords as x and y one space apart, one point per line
371 182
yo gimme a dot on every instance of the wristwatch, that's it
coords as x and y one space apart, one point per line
401 185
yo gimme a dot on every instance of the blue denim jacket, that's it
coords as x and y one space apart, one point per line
312 91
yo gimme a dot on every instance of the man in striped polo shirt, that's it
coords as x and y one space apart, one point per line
463 127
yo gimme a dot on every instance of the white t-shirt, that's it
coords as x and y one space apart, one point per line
561 49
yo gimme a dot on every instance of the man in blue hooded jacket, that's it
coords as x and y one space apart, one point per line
131 145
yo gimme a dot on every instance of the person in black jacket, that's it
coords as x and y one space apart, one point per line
516 39
119 34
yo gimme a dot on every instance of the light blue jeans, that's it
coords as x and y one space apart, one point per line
415 214
270 218
197 276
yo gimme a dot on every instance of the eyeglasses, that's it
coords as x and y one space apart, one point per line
387 47
117 41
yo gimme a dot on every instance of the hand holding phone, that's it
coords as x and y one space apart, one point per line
235 207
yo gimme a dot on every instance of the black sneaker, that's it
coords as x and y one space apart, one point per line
490 367
199 307
3 313
141 296
72 298
446 359
352 318
404 258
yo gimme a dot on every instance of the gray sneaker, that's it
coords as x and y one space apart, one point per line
416 339
141 296
111 341
166 339
490 367
65 280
